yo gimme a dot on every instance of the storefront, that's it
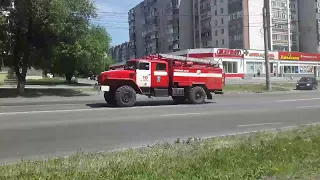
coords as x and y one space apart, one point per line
247 63
238 63
297 64
255 63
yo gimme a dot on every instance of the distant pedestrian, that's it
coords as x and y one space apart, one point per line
259 72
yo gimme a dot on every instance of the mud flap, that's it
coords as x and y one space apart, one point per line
209 95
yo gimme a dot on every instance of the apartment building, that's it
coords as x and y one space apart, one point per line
211 23
120 53
246 24
309 23
284 25
160 26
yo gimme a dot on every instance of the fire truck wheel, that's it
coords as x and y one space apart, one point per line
125 96
109 98
197 95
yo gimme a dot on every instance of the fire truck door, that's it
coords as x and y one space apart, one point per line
160 76
143 74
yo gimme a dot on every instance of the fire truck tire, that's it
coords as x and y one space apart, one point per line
125 96
197 95
109 98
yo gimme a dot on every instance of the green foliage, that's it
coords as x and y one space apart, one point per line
54 35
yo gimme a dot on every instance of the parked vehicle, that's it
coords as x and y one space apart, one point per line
182 78
93 77
307 83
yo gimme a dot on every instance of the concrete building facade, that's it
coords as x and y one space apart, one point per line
171 25
211 23
160 26
309 21
120 53
246 24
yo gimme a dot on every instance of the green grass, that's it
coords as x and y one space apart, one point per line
2 78
47 81
253 88
53 82
292 154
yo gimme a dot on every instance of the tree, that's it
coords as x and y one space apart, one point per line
68 54
38 27
52 35
31 33
87 55
95 50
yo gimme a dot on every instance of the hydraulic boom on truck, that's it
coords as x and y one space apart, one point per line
162 75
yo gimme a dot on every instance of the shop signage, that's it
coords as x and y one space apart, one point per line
257 54
289 56
229 53
310 57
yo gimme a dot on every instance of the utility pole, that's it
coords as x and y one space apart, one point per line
266 44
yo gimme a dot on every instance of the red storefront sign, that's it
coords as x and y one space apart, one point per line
298 56
260 55
231 53
309 57
290 56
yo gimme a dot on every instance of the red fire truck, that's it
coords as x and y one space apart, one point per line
162 75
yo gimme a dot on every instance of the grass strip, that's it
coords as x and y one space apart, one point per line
256 87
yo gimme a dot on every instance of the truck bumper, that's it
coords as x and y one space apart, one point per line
105 88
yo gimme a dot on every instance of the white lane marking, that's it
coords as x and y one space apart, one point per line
306 107
295 100
80 110
184 114
44 105
48 111
262 124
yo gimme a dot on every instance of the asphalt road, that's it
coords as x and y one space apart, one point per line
33 131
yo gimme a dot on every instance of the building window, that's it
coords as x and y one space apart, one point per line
216 22
216 32
217 43
230 67
215 12
221 10
222 42
222 31
254 67
222 20
215 2
205 44
291 69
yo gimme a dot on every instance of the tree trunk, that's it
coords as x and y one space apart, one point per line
68 77
21 85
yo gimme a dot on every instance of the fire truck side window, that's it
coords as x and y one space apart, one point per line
161 67
143 66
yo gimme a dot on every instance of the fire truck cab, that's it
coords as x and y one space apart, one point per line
184 79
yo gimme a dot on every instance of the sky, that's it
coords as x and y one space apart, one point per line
113 15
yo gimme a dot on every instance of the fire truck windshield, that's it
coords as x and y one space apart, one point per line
130 65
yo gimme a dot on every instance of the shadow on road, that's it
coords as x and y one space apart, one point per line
33 93
141 104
